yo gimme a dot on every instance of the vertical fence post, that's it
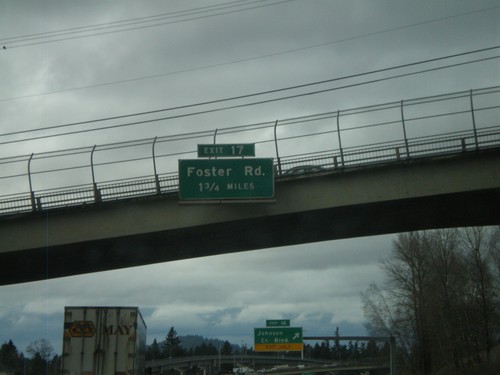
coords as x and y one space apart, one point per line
32 194
276 147
340 139
215 140
404 131
97 193
215 136
157 180
476 143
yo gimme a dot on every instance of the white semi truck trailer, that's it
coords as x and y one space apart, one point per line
103 341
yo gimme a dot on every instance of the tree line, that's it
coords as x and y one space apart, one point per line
41 358
440 300
353 351
336 350
172 347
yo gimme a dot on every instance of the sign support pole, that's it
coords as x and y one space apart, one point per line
476 143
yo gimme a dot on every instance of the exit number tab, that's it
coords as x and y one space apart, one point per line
226 150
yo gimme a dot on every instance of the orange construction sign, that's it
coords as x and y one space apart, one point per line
279 347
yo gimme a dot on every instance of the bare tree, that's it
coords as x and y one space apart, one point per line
448 295
41 347
494 246
407 272
383 319
441 297
476 242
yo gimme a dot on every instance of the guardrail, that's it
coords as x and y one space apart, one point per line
436 115
396 151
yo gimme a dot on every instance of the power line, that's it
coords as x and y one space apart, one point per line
183 13
121 145
240 105
251 58
216 101
283 122
99 26
146 26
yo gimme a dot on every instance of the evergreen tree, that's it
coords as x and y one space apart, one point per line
9 356
172 346
153 352
337 352
322 351
227 348
316 351
211 349
362 350
353 350
55 365
38 365
371 349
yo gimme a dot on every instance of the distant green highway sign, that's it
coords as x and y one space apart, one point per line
226 150
205 179
278 323
278 339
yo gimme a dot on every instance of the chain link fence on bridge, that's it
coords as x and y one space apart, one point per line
395 132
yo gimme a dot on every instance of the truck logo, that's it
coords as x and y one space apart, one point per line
82 328
121 329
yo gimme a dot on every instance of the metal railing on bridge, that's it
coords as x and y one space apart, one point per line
448 124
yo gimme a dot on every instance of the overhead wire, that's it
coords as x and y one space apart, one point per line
69 31
244 105
18 132
250 58
99 26
146 26
257 126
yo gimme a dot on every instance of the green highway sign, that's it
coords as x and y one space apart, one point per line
205 179
278 339
226 150
292 335
278 323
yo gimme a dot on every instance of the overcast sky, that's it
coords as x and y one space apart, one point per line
175 53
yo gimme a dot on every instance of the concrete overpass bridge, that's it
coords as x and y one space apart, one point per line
262 364
447 179
234 360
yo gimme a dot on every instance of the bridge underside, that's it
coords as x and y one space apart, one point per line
450 210
267 225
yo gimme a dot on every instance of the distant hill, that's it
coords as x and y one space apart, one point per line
192 341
